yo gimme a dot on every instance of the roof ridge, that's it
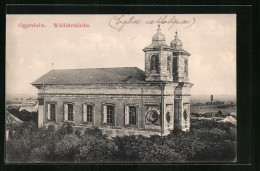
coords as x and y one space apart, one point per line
115 74
90 68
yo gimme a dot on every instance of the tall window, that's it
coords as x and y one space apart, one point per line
110 114
154 63
89 113
52 117
51 111
132 115
70 112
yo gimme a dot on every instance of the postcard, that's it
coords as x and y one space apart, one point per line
121 88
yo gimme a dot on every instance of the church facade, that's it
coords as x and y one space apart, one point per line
122 101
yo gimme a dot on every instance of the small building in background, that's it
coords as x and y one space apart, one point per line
229 119
10 122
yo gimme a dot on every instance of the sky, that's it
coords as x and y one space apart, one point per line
108 42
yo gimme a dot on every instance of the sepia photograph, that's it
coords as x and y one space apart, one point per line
121 88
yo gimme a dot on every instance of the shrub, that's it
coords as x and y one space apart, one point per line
66 129
94 148
67 148
95 131
140 148
39 154
25 138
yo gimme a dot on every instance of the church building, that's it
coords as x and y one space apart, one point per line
125 100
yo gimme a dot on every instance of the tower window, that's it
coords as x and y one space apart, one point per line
175 66
186 66
154 63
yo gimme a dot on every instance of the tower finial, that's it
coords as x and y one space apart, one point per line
52 65
176 34
159 29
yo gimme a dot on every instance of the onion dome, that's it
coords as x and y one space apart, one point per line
176 43
158 40
158 36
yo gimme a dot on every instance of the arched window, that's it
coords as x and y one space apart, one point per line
154 63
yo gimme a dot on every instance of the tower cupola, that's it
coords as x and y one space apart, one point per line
158 36
158 59
158 40
176 44
180 60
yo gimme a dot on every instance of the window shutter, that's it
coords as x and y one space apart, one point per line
49 111
126 115
65 112
104 114
84 113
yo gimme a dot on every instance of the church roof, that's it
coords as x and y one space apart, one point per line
92 75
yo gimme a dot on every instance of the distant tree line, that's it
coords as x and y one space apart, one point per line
210 114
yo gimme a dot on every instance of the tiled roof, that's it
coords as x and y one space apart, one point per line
11 120
92 75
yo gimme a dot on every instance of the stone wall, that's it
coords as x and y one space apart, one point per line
144 96
140 95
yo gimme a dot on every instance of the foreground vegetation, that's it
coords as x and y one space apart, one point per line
207 141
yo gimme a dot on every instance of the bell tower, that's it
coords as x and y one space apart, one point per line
158 59
169 64
182 90
180 60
